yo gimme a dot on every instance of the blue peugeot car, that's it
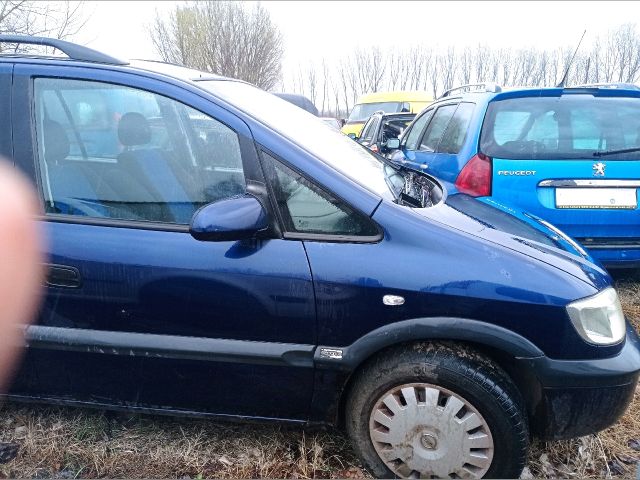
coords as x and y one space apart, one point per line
570 156
217 251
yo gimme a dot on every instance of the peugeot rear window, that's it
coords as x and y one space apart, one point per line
564 127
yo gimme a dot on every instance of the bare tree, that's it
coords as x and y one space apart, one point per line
50 19
448 62
465 66
227 38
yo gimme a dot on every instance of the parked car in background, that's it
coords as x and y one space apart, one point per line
300 101
332 122
570 156
382 126
388 102
216 251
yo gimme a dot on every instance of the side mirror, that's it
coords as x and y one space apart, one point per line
234 218
392 144
342 122
352 136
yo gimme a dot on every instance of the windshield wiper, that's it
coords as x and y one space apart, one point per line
613 152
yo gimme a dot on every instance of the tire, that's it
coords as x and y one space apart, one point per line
437 410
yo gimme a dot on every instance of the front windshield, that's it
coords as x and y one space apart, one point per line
364 110
308 131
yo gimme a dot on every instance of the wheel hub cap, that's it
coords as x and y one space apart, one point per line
429 441
427 431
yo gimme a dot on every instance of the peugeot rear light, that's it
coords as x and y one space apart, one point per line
475 178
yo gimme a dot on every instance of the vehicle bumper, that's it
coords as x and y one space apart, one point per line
616 256
580 397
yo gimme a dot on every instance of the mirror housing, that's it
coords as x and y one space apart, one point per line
235 218
392 144
352 136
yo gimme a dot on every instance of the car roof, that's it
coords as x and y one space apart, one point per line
177 71
396 96
601 89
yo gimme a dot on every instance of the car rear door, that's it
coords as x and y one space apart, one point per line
545 161
420 152
137 312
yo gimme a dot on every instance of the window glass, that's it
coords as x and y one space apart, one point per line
569 126
545 130
111 151
393 128
366 128
373 126
456 132
364 110
306 208
586 134
509 124
412 138
436 128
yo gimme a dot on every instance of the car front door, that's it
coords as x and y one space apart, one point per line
137 312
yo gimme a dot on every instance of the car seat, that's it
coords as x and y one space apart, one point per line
67 185
150 166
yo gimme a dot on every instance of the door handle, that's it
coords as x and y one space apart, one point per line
62 276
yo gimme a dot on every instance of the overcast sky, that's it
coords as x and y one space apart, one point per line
331 29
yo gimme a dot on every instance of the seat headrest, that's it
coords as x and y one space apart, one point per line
134 129
56 142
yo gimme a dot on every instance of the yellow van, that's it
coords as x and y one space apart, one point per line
388 102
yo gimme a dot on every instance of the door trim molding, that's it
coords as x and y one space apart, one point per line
169 346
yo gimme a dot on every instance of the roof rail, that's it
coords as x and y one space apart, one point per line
72 50
473 87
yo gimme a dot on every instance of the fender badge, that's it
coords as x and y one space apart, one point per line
333 353
392 300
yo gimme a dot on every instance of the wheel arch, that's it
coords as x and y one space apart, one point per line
501 345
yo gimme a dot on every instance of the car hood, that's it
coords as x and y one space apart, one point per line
518 231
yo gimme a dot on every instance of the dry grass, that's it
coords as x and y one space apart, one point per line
74 443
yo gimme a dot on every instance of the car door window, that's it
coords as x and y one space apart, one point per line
412 138
456 131
306 208
111 151
369 134
436 128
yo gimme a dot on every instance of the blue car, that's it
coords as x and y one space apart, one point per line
570 156
217 251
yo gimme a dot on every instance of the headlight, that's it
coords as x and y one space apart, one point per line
599 319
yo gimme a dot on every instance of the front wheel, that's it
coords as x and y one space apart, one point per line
437 411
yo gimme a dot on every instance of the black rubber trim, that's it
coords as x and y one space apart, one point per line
619 370
169 346
443 328
155 410
115 223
